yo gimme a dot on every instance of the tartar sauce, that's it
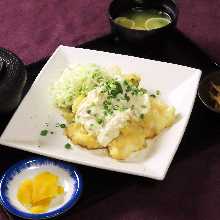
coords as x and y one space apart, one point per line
106 109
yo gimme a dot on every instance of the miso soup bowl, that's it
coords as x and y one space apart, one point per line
140 37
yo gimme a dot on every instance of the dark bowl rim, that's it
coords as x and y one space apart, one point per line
172 23
201 97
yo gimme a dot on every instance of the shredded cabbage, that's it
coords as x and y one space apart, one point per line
79 80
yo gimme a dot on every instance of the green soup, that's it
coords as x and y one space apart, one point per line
143 19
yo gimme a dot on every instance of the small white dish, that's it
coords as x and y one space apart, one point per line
69 179
178 86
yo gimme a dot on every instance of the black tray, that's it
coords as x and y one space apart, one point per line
100 183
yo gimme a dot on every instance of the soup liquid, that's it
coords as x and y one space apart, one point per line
140 16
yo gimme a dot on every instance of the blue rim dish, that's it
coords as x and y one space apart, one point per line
21 165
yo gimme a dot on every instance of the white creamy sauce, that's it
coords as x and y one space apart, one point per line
112 128
107 127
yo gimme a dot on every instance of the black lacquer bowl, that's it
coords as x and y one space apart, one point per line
205 90
13 77
143 37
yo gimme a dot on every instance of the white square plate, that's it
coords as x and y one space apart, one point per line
178 86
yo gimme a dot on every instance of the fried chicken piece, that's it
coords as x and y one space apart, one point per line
131 139
159 117
80 136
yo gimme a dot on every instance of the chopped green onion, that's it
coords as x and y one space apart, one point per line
62 125
113 88
157 92
142 91
67 146
44 132
142 116
127 98
99 120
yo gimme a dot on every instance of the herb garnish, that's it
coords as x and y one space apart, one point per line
113 88
107 105
142 116
44 132
62 125
127 98
157 92
134 89
99 120
67 146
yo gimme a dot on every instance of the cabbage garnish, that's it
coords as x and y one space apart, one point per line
77 81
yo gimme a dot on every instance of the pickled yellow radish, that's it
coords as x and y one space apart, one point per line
44 186
25 191
36 194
